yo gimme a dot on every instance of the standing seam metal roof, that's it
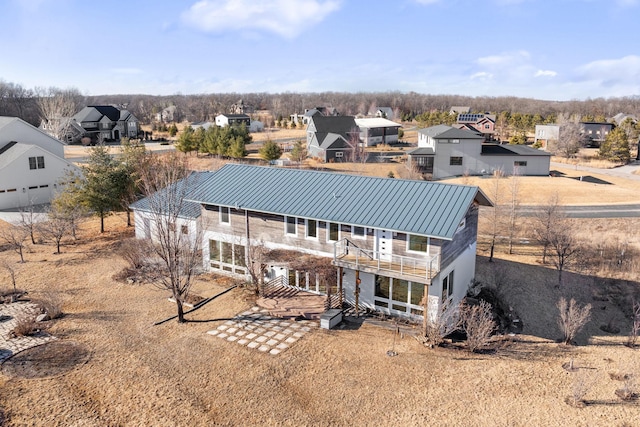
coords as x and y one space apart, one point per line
416 207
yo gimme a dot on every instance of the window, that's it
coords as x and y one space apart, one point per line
400 292
172 226
312 229
417 293
520 163
36 162
487 126
455 141
418 243
455 161
225 217
382 287
239 255
226 249
184 229
358 232
290 225
214 250
339 154
333 231
447 287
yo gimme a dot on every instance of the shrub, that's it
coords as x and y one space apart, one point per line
446 321
582 383
51 305
477 322
572 318
26 325
133 251
635 325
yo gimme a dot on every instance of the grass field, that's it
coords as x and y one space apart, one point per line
125 371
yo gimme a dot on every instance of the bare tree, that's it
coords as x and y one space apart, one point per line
57 106
56 228
570 140
564 245
167 182
546 221
572 318
514 205
496 210
477 322
12 273
29 221
635 325
15 236
436 328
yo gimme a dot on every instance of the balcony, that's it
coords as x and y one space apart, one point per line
421 269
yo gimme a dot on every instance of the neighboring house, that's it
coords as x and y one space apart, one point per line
485 124
374 131
383 112
596 132
105 122
241 108
332 138
445 151
223 120
398 246
188 223
459 110
167 115
31 164
256 126
545 134
305 118
204 125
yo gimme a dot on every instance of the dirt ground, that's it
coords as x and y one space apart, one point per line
122 370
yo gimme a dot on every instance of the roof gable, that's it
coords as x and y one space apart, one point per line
428 208
342 125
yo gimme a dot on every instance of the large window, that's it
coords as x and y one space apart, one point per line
418 243
333 231
226 249
225 215
447 286
290 225
455 161
399 295
358 232
311 229
214 250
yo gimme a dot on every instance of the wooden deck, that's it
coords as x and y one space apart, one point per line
290 302
399 270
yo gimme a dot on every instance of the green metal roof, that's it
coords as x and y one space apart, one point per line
407 206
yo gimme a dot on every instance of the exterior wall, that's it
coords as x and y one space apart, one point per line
21 131
145 226
487 164
467 235
467 149
546 133
381 135
21 186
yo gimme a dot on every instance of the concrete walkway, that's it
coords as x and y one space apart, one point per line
9 315
256 329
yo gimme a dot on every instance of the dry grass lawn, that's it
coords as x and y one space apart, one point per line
133 373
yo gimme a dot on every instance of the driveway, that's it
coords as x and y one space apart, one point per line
625 171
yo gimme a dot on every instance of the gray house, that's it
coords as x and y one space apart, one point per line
396 248
444 151
332 138
106 122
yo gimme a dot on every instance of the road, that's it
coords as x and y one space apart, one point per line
595 211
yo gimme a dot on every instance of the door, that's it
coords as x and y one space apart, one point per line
383 244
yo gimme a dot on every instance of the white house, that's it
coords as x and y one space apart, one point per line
31 164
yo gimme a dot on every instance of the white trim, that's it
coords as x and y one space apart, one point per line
329 233
363 236
228 223
306 229
286 226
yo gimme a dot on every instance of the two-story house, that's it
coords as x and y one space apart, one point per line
32 164
444 151
106 122
397 246
332 138
485 124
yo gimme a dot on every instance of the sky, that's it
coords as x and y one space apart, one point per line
543 49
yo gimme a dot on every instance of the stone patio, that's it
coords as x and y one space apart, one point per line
257 329
12 346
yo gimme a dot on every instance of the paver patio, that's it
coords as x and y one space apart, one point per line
256 329
12 346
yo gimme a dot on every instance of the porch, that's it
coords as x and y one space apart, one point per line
423 269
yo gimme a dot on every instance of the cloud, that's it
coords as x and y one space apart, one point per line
545 73
625 68
508 59
482 75
287 18
127 71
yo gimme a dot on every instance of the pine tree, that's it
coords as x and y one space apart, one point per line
270 151
616 146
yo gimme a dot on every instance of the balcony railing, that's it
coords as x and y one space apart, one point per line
347 254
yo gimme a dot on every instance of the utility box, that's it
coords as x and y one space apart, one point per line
330 318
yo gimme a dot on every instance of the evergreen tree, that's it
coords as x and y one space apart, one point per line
186 142
616 146
270 151
173 129
299 151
